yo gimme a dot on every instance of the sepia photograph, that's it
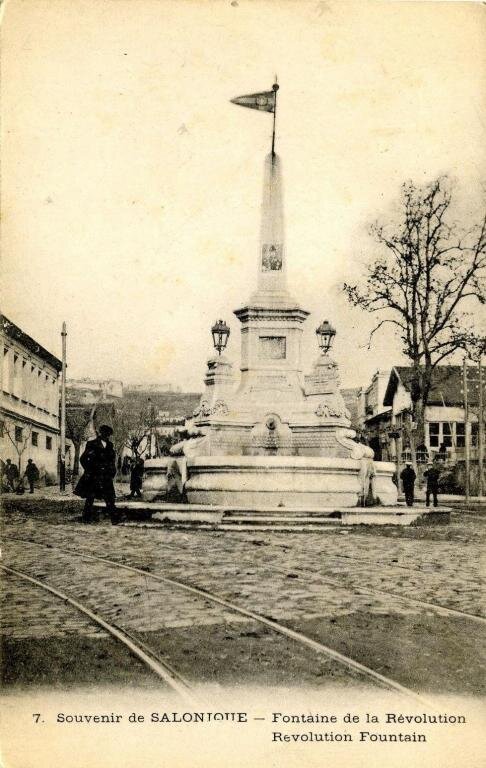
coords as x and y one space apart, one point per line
242 410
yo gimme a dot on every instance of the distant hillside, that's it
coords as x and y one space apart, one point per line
169 405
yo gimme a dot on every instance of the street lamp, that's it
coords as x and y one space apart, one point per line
220 333
325 336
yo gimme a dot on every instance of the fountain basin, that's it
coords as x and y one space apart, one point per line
283 481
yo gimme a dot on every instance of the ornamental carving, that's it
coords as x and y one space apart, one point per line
204 409
272 257
332 407
219 407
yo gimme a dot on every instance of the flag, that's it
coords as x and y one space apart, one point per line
265 101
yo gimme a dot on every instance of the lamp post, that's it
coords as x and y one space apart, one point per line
220 333
325 336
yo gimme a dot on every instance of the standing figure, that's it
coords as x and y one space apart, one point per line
99 463
32 474
408 479
11 473
432 474
136 478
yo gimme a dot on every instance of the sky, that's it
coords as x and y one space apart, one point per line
131 186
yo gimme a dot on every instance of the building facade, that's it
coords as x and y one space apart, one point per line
29 406
445 423
375 417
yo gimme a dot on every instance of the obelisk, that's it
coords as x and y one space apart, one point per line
271 261
272 320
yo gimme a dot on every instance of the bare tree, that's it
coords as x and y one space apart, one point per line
132 427
19 440
78 420
424 282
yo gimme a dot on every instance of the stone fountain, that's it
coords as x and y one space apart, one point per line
273 437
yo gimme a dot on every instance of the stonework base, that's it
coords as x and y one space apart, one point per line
282 481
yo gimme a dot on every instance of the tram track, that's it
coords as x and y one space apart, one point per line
427 605
146 655
301 639
439 607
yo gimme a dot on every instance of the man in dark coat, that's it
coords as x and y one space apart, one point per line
11 473
408 479
432 474
31 473
99 463
136 478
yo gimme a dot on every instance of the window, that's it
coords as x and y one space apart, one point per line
460 434
434 428
474 434
18 434
49 443
35 438
446 434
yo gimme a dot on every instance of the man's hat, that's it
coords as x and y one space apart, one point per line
105 430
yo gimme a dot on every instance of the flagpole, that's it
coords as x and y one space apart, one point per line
275 89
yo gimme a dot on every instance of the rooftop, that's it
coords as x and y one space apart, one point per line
447 384
15 333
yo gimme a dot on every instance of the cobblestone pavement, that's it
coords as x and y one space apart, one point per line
304 580
290 576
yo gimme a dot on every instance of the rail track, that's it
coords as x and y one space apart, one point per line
437 607
166 673
158 666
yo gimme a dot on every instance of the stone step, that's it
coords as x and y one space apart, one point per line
280 519
283 513
273 519
256 526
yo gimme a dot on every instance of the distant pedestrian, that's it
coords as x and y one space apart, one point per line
408 477
136 478
11 473
2 475
32 474
99 463
432 474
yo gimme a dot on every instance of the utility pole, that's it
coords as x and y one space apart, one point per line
62 468
480 431
466 430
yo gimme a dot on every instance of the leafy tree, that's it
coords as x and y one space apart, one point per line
424 281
